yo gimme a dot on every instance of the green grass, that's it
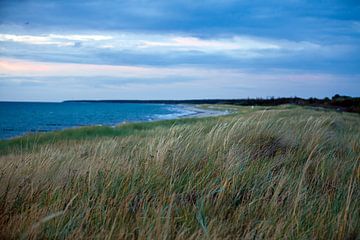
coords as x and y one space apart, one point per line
284 172
32 140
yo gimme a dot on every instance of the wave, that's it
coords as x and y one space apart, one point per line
177 112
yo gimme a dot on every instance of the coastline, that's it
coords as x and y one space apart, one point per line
188 111
180 111
198 112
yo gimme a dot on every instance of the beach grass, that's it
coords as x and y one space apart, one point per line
258 173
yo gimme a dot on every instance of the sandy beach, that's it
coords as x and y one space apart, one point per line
198 111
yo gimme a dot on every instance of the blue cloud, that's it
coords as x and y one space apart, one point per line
306 37
290 19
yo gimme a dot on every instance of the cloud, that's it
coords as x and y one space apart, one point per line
52 39
135 48
196 46
79 37
12 68
29 80
21 68
37 40
193 44
164 43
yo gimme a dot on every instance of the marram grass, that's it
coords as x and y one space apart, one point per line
286 172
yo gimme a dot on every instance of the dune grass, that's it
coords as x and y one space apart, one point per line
285 172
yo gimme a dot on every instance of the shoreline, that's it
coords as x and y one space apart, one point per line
198 112
194 112
185 111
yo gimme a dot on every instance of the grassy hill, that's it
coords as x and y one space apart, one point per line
259 173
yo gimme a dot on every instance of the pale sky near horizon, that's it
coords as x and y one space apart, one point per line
141 49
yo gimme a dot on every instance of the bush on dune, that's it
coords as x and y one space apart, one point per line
279 173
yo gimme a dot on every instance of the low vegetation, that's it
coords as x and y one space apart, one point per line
337 102
259 173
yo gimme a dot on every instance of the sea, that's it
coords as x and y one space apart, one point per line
19 118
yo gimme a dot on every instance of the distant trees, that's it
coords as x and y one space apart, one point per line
342 103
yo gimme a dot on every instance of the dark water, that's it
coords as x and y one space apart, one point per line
19 118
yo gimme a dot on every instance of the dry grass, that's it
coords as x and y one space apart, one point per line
281 173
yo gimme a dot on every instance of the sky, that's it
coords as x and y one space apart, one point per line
172 49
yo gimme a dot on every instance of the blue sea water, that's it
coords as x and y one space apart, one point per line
18 118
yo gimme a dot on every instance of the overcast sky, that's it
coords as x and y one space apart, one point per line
178 49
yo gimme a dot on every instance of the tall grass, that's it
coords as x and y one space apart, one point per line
281 173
